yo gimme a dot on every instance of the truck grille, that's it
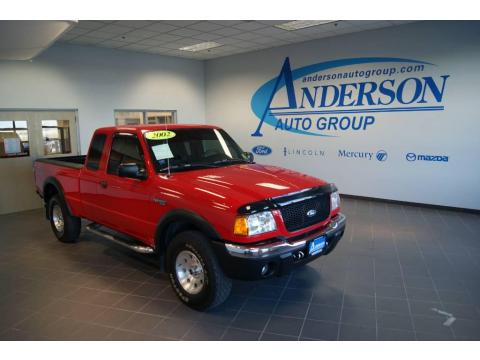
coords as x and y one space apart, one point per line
295 214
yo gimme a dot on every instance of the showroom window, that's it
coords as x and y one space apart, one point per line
14 138
137 117
56 137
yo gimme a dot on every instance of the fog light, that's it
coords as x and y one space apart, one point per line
264 270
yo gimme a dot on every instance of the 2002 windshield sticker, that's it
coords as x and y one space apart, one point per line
326 104
159 135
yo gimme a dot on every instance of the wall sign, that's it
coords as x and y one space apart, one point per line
347 95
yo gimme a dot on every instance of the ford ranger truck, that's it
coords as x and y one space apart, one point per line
189 195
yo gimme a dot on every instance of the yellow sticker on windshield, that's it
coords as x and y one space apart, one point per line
160 135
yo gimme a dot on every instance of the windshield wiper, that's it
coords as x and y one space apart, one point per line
191 166
230 161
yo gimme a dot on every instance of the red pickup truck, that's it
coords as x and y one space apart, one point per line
189 194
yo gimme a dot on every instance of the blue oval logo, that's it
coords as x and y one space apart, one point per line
261 150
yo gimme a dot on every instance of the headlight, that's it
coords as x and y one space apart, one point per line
254 224
334 201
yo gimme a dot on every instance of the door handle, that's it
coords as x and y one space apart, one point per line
103 184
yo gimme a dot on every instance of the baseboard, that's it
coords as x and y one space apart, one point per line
408 203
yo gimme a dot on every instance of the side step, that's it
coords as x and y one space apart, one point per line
131 244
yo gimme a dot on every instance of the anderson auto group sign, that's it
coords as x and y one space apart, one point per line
346 95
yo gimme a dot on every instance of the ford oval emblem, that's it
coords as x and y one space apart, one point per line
262 150
311 212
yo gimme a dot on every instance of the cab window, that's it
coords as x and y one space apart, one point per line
95 152
125 150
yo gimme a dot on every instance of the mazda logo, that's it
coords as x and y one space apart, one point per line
311 212
411 157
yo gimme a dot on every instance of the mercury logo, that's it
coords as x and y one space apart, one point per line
382 155
311 212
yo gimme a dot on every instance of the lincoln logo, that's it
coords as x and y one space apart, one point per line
311 212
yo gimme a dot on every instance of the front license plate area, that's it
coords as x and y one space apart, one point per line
316 245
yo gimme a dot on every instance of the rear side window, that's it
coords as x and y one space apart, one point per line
95 152
125 150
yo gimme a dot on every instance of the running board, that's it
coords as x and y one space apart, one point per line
133 245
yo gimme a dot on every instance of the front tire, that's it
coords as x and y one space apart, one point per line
194 272
65 226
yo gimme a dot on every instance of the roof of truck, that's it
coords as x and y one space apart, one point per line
157 127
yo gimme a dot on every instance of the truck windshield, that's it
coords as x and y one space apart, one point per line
189 149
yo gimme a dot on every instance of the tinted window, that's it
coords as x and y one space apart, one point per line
95 152
125 150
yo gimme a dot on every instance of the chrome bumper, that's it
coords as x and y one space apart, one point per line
283 247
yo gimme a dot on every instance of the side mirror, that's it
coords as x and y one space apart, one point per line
248 156
132 170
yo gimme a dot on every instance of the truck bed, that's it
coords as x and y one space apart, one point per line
75 162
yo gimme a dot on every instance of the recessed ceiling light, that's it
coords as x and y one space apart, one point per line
201 46
302 24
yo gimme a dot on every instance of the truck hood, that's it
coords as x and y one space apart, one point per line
244 183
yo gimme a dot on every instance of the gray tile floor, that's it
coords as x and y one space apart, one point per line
394 276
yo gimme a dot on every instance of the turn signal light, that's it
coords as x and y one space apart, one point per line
241 226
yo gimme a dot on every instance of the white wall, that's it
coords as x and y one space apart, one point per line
453 47
96 81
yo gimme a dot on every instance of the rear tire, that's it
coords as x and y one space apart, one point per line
194 271
65 226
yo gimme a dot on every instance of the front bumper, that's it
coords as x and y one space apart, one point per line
250 261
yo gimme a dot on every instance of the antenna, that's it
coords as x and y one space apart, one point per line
168 159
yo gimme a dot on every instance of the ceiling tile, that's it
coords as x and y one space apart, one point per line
250 25
270 31
160 27
141 34
207 36
115 29
166 37
273 22
205 26
237 36
227 22
185 32
180 23
247 36
136 24
227 31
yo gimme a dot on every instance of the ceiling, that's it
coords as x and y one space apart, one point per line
23 40
236 36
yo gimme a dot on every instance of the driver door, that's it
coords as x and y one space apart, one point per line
126 202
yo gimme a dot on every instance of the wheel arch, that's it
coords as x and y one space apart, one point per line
52 187
179 220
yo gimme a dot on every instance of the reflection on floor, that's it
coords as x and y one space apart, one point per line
399 273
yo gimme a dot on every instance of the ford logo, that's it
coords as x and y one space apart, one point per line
311 212
261 150
411 157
